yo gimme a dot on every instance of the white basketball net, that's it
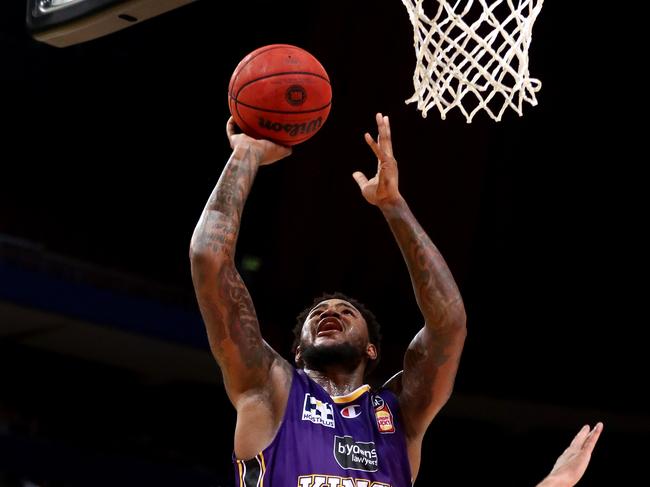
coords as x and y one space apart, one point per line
477 48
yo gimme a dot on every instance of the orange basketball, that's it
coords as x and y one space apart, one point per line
281 93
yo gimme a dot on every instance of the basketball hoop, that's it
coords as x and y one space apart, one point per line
473 54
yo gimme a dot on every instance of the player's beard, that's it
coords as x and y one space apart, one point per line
323 357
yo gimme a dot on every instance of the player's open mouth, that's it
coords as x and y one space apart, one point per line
328 326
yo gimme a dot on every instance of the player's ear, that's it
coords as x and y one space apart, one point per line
298 357
371 351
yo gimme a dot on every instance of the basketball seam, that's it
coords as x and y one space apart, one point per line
280 74
241 119
276 46
272 139
237 102
302 139
232 81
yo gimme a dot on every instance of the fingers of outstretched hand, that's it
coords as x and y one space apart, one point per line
360 178
372 144
586 438
383 158
381 130
592 438
579 439
385 140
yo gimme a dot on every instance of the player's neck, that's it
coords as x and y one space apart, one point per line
337 382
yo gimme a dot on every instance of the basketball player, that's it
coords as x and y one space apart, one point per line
318 424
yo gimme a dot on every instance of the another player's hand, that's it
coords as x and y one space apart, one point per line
571 465
382 189
268 152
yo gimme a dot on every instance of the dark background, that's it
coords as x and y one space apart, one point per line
110 149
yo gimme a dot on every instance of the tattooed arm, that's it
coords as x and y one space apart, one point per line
255 377
431 361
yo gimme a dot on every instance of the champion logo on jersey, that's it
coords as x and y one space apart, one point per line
351 412
317 411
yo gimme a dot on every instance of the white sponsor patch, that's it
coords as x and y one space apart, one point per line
317 411
355 455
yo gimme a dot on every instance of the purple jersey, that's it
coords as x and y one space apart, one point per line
355 440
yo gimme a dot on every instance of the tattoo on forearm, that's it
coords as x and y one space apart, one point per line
222 216
432 358
231 312
434 287
243 328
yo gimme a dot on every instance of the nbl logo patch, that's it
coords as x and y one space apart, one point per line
377 401
296 95
317 411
